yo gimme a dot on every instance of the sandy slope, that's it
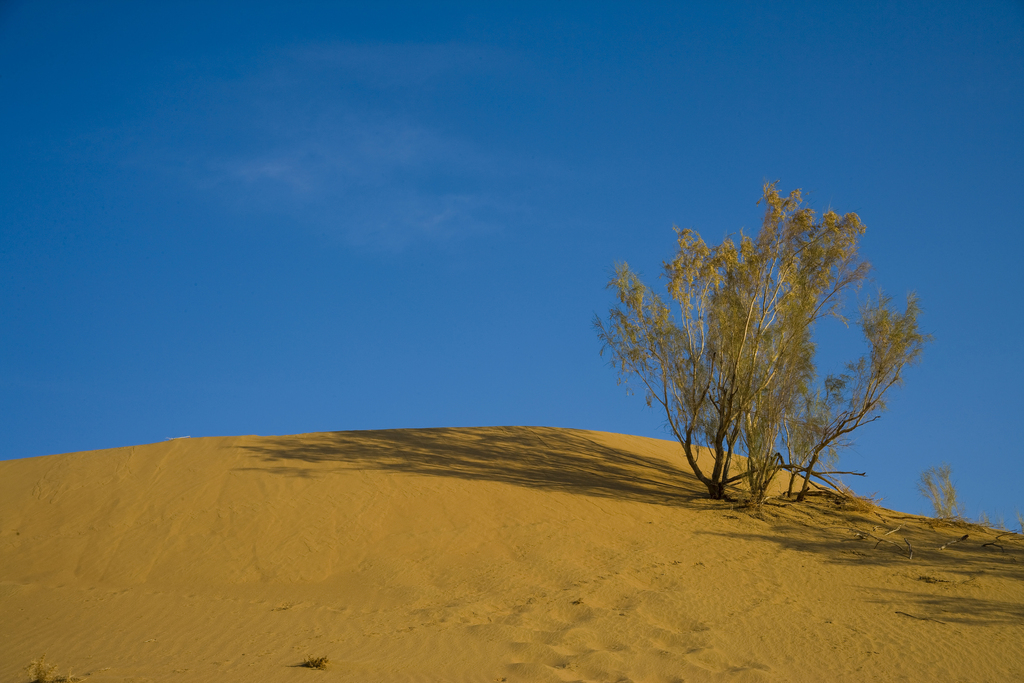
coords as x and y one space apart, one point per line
518 554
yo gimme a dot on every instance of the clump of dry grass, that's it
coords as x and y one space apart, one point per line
848 500
938 488
41 672
865 503
319 663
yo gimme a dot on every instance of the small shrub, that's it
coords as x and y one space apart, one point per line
319 663
936 486
999 523
41 672
1020 521
854 502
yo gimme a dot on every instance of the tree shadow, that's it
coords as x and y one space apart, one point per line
956 609
945 576
551 459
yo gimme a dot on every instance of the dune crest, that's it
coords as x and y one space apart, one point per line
487 554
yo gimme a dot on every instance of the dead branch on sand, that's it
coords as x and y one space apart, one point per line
881 539
962 538
996 542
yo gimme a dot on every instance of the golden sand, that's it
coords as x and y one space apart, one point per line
492 554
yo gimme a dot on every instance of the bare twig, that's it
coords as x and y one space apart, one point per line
803 469
864 534
893 531
910 548
886 540
996 542
962 538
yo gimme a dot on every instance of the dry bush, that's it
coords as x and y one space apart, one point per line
319 663
935 485
866 503
999 523
41 672
848 500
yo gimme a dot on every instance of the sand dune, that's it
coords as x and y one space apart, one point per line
492 554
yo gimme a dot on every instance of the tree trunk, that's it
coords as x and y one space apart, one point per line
807 478
792 480
716 490
727 466
716 472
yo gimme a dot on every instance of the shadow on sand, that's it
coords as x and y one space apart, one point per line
937 582
536 457
642 470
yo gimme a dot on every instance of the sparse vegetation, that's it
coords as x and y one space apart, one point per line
938 488
997 522
858 503
319 663
729 357
41 672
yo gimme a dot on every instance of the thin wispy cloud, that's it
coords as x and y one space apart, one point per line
333 138
376 184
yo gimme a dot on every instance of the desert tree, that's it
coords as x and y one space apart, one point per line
728 355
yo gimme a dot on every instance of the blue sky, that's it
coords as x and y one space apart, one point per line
275 218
